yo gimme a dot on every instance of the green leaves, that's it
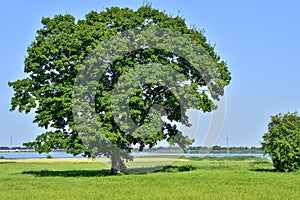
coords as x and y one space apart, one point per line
64 47
23 97
282 141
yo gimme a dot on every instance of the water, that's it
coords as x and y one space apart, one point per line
30 155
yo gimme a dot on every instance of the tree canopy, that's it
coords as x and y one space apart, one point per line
282 141
64 52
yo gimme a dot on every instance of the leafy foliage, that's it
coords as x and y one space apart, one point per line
56 56
282 142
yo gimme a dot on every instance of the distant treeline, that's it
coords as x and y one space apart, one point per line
13 148
201 149
219 149
26 148
191 149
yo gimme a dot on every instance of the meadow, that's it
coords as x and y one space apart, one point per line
195 178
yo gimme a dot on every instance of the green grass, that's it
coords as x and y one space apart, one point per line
205 178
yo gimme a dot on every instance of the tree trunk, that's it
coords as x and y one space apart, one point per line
117 164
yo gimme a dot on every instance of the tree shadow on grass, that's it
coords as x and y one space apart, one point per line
162 169
170 168
69 173
264 170
106 172
6 162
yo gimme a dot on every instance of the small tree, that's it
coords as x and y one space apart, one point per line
282 142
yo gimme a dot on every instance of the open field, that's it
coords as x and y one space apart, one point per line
208 178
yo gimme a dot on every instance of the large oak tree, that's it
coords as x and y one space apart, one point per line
58 54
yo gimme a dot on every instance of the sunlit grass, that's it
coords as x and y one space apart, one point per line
206 178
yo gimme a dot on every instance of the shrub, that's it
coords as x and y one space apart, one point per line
282 142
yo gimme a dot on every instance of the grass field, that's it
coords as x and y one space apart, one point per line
208 178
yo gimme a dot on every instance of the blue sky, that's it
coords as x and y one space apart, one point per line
258 39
